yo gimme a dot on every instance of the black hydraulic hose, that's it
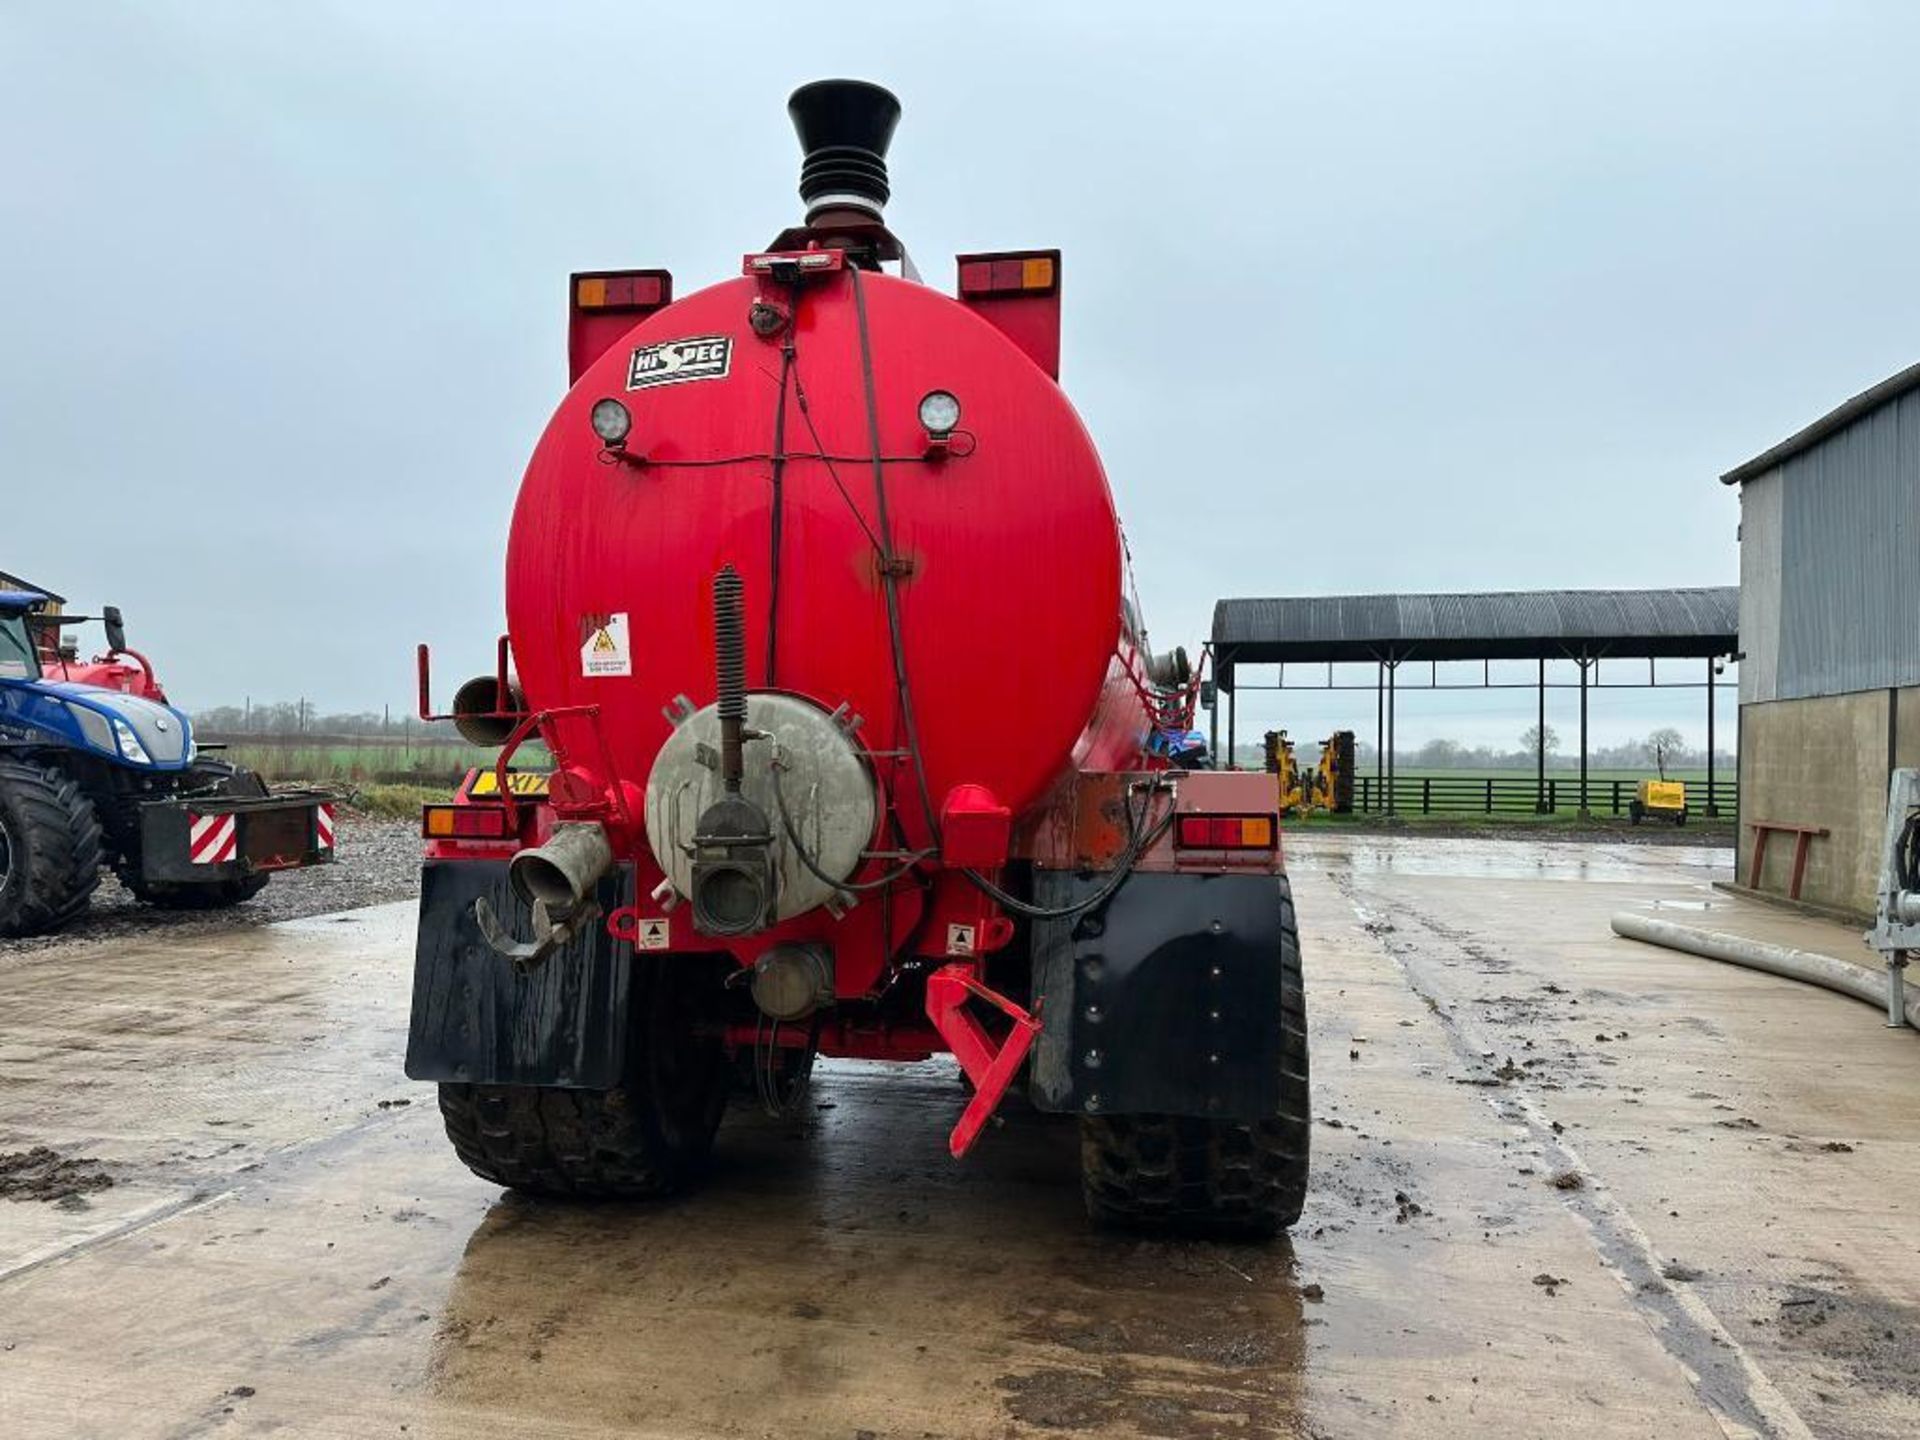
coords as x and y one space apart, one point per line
1139 841
806 416
889 565
813 866
1907 853
778 509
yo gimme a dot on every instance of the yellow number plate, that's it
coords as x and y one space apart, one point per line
521 783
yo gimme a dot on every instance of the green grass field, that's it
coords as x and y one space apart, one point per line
373 761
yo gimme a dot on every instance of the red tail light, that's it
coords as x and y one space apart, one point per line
603 305
465 822
1225 832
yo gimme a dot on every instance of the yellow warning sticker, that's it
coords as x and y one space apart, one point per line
604 647
520 783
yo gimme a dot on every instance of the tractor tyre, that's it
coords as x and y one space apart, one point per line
1679 817
651 1137
1244 1179
204 776
1636 811
50 849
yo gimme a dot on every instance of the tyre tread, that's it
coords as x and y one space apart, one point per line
1222 1177
62 841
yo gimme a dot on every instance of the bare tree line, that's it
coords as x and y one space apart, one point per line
1644 753
300 718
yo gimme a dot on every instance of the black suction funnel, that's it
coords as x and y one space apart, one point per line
845 127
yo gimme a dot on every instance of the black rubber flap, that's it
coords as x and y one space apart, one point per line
476 1019
1163 1001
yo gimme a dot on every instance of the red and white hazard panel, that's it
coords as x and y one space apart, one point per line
212 839
323 827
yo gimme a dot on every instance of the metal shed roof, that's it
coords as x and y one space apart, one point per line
1502 625
1867 401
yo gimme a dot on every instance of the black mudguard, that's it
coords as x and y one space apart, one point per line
1163 1001
476 1019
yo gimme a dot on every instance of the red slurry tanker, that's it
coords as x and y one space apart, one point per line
817 598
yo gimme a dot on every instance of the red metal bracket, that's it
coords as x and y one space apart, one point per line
1802 834
989 1067
542 723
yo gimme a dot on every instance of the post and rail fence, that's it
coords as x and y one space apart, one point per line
1467 794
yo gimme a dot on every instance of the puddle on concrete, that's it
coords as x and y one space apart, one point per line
1515 860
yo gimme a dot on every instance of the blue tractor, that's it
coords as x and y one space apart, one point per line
98 771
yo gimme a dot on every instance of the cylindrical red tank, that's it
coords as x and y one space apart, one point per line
1011 572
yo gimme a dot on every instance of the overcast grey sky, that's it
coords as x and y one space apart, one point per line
1396 297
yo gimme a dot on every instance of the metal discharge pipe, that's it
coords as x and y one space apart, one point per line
1806 965
562 873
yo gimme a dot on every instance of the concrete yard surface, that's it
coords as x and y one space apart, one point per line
1565 1185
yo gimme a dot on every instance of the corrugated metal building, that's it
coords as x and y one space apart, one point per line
1830 635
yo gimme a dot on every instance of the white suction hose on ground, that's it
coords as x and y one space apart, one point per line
1815 969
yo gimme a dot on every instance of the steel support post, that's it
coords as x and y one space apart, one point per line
1213 715
1232 764
1379 720
1713 804
1393 665
1584 663
1540 749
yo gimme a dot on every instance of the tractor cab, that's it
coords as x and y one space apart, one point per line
19 653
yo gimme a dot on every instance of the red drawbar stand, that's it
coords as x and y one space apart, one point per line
989 1066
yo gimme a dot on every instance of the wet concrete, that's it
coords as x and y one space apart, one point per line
1702 1224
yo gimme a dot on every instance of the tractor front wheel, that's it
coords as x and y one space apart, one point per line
1229 1178
650 1137
49 850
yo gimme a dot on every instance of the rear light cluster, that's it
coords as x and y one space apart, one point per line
1225 832
1010 274
465 822
623 290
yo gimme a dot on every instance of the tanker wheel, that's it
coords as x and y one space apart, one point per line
650 1137
219 778
50 846
1226 1178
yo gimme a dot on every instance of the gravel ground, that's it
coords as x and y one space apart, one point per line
378 861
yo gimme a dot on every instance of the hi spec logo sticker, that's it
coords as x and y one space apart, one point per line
604 646
704 357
